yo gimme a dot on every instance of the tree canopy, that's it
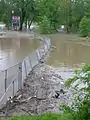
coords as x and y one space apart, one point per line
52 13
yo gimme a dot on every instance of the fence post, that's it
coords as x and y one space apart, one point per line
25 68
30 62
47 46
13 88
44 50
37 52
5 80
20 82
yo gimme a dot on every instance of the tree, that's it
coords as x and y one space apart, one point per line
45 26
87 8
58 12
5 12
78 12
24 8
50 9
67 8
31 12
84 27
66 12
72 13
20 5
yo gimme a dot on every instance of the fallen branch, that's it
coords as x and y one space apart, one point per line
27 111
53 47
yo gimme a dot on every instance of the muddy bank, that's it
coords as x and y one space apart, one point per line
43 92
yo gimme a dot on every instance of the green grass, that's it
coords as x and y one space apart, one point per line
44 117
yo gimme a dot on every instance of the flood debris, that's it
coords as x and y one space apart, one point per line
43 92
53 47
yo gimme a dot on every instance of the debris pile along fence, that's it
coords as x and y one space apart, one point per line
12 79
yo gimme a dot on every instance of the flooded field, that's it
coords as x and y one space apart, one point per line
69 52
12 50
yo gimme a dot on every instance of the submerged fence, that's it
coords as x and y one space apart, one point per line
12 79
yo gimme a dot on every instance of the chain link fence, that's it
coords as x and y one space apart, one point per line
12 79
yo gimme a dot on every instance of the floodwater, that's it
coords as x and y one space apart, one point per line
69 52
13 50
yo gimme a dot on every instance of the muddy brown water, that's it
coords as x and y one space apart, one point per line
13 50
69 52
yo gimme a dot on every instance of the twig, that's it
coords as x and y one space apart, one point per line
53 47
24 109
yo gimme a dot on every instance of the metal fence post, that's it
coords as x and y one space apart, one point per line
30 62
25 68
13 88
37 56
37 52
47 46
44 49
20 82
5 80
40 53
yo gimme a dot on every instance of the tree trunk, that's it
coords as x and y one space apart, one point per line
22 19
29 23
69 22
26 24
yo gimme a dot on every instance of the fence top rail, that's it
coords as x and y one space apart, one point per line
42 38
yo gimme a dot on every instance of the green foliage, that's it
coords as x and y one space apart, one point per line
78 9
23 8
84 111
81 104
45 117
26 10
70 80
5 12
65 109
85 27
66 12
57 13
45 26
87 8
49 15
86 68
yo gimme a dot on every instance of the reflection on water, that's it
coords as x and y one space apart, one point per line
69 52
14 50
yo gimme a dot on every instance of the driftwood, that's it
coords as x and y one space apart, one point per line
53 47
25 110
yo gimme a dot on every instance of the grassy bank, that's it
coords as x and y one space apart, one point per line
45 117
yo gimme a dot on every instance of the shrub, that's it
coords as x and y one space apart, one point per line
84 27
81 104
45 26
